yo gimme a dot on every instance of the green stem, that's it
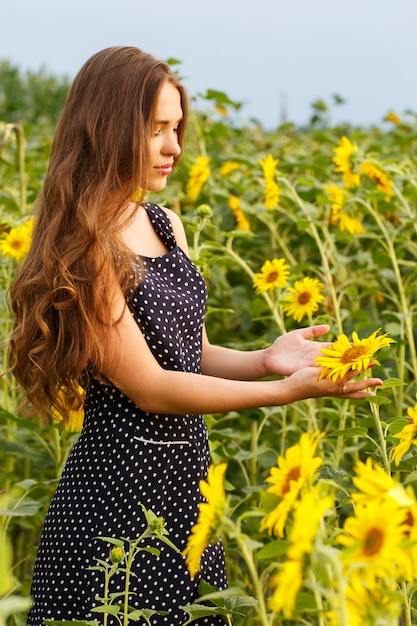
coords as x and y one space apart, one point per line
133 550
259 594
273 305
253 449
129 562
201 144
382 440
324 256
340 440
107 577
407 313
338 582
274 231
312 413
407 606
20 137
283 430
58 450
318 599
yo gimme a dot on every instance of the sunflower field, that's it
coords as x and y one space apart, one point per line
316 502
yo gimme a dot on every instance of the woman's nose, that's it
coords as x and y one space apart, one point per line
172 147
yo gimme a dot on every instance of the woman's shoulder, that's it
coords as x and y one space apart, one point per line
173 217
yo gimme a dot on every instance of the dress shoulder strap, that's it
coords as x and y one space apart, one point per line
161 223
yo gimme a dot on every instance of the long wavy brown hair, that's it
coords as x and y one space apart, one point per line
99 158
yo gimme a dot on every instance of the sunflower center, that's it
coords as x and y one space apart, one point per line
353 353
304 298
293 474
16 244
373 541
272 277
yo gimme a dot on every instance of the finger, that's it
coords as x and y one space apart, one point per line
360 395
315 331
349 389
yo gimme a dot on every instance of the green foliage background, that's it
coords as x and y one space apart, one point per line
370 282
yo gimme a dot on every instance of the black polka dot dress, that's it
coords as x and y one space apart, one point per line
126 458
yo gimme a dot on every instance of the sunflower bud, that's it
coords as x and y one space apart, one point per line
116 555
204 210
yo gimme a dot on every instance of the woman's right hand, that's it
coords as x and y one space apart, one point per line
305 383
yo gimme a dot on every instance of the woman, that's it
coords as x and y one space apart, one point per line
108 299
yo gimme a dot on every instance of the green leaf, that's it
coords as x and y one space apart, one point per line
397 424
228 598
98 568
411 478
269 500
26 508
111 609
13 604
135 614
305 602
378 400
169 543
392 382
220 97
151 550
27 484
274 549
112 540
196 611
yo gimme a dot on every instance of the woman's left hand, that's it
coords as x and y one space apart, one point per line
294 350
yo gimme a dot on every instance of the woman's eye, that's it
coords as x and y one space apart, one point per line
157 131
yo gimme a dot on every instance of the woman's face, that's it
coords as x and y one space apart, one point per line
164 139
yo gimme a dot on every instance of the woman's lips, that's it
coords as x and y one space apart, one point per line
164 169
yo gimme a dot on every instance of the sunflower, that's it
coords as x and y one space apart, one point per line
76 416
370 607
374 483
344 160
339 217
76 421
199 175
308 512
336 195
286 584
304 298
242 222
273 274
374 540
392 117
221 109
272 190
294 470
271 193
379 177
342 356
411 549
349 224
16 243
229 167
211 511
408 436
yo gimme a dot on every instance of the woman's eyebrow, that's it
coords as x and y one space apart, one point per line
165 122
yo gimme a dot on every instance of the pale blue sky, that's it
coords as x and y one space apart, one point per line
268 54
